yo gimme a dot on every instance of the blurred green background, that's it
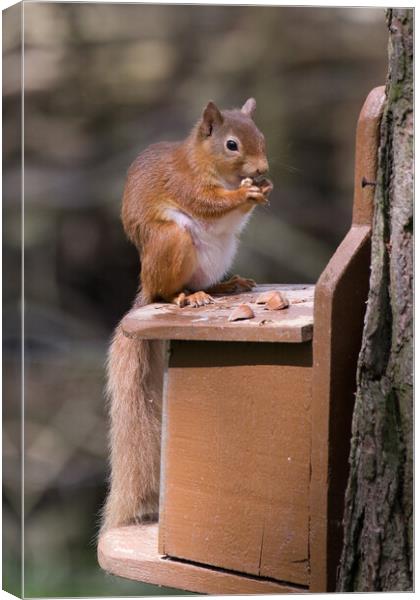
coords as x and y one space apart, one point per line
102 81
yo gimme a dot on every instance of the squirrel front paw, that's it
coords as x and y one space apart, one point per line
257 188
252 192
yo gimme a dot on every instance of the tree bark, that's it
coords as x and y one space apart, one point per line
377 550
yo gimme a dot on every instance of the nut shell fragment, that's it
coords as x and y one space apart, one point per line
264 297
277 302
241 313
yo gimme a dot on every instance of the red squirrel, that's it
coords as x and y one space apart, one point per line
184 204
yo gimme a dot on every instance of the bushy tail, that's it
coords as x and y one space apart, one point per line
134 390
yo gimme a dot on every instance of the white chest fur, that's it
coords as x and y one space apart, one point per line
215 242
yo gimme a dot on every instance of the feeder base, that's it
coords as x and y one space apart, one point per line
131 552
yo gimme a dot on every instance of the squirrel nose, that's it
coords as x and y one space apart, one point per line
262 168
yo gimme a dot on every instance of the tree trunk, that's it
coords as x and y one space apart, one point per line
377 550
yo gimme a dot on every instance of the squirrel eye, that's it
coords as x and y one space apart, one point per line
231 145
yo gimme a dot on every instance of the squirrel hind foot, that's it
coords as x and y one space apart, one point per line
235 284
194 300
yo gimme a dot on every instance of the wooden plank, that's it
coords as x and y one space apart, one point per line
167 321
236 457
131 552
341 292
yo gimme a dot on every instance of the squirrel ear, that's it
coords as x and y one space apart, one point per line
249 107
211 117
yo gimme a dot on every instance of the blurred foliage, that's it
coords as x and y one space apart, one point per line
102 81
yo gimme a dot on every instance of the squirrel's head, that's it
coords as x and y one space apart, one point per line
232 142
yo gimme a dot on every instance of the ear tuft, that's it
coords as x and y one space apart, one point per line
211 118
249 107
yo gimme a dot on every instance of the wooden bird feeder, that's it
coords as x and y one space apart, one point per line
256 426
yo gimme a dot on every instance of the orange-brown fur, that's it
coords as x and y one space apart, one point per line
202 179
